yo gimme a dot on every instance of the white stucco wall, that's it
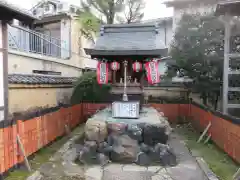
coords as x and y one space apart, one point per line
166 32
25 63
66 38
87 62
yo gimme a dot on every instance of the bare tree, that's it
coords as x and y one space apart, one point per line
134 10
97 12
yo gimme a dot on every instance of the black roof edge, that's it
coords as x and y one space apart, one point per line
128 25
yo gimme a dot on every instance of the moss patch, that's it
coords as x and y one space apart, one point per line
42 156
219 162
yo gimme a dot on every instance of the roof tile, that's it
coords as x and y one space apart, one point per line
37 79
130 37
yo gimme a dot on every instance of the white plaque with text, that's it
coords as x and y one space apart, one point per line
129 109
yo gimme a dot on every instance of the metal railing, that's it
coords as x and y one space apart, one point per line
26 40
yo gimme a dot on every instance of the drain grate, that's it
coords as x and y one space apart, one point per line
126 175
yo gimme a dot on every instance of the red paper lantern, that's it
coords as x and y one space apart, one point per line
152 72
115 66
137 67
102 73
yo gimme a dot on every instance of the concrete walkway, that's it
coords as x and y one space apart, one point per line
62 167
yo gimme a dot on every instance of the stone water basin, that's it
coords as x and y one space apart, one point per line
142 141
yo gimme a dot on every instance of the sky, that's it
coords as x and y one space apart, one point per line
153 9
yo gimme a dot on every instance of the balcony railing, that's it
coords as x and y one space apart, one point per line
26 40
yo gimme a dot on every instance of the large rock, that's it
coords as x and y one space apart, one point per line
135 132
105 148
102 159
117 128
125 149
145 148
166 125
88 153
92 145
153 134
86 156
168 157
96 130
143 159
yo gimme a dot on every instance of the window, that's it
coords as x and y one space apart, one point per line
46 7
46 72
60 6
72 10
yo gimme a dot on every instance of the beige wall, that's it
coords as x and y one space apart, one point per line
24 97
24 63
172 92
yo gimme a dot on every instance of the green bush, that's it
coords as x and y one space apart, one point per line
87 89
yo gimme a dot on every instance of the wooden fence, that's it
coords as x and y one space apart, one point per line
224 130
37 132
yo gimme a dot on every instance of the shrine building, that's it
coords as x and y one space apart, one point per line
128 43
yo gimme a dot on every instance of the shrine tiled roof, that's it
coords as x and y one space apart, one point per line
130 37
37 79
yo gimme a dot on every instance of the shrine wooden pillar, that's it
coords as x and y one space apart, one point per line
114 77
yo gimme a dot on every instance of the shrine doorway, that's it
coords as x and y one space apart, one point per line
131 75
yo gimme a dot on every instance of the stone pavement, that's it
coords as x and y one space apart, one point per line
62 167
187 169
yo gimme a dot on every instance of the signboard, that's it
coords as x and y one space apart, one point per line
128 109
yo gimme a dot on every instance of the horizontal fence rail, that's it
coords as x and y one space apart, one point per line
39 131
26 40
224 129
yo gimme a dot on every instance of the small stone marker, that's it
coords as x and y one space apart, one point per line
127 109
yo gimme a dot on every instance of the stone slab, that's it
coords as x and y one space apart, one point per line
134 167
114 167
161 177
94 173
127 175
154 169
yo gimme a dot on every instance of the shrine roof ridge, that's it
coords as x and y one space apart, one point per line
129 39
129 25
